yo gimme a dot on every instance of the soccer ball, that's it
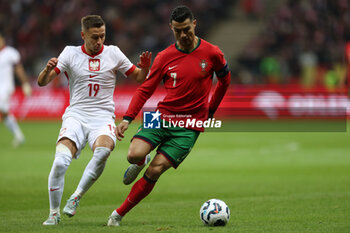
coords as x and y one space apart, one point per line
214 212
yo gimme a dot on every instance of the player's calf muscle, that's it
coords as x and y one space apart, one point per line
157 167
154 172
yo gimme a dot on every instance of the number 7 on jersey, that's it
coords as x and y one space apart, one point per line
173 75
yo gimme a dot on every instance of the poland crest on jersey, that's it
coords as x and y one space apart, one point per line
94 64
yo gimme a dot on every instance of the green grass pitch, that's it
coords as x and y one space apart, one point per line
272 182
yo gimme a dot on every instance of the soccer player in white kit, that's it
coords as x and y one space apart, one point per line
10 63
89 118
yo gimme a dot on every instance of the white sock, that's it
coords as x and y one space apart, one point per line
11 124
63 158
93 170
115 213
55 211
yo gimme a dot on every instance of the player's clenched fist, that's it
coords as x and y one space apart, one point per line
52 63
47 74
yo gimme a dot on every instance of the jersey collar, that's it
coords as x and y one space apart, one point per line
183 51
99 52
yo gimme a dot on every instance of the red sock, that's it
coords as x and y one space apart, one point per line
138 191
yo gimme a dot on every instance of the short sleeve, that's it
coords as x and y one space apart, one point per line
124 65
63 60
15 56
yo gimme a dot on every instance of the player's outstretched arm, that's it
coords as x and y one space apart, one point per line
48 73
140 74
142 94
121 128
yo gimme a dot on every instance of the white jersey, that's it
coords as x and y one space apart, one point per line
92 79
9 57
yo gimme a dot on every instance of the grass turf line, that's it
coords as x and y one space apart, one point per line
272 182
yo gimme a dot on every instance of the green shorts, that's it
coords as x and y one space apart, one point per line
175 143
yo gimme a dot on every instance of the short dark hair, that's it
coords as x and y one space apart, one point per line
181 13
91 21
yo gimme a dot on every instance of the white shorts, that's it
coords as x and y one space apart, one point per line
81 132
5 97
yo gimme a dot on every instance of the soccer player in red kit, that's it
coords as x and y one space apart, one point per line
187 69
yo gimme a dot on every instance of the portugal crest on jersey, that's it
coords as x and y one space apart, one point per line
203 64
94 64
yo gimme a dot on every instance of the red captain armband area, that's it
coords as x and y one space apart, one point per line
223 72
57 70
130 70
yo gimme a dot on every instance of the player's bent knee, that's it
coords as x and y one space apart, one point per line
101 153
138 150
135 155
133 159
98 161
104 141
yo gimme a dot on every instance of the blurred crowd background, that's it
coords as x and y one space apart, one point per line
302 41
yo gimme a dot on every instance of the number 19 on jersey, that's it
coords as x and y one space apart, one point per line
93 89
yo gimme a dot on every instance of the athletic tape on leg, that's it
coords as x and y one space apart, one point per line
63 149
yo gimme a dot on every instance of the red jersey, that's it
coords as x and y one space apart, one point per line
187 79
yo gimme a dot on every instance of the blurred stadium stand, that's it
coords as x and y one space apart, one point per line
41 28
302 42
265 41
245 21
